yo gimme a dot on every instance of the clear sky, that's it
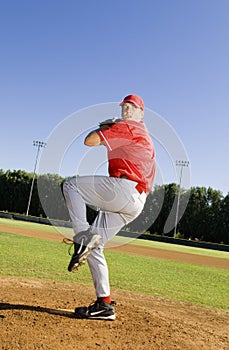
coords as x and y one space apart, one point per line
60 56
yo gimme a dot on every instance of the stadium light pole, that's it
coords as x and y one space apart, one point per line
39 145
182 164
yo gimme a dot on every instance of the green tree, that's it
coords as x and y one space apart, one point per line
223 223
14 189
164 199
194 218
213 219
201 217
51 200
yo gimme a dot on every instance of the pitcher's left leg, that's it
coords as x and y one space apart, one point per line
99 272
107 225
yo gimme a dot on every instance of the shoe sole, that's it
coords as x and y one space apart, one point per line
105 318
88 317
101 318
95 242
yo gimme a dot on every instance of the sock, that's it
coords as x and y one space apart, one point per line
106 299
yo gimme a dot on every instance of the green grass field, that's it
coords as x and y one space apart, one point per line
35 258
119 239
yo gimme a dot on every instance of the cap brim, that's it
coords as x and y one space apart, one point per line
133 102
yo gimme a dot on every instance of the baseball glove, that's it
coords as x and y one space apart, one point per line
108 123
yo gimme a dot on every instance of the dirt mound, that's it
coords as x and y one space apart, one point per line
37 314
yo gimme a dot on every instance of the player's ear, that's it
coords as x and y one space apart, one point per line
140 113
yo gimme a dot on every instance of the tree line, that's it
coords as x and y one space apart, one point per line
201 214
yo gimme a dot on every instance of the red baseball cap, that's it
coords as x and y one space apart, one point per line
136 100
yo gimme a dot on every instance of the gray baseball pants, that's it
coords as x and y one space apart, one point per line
118 202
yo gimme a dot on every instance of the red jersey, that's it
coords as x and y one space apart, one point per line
130 152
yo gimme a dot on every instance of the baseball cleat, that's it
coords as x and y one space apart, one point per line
84 243
99 310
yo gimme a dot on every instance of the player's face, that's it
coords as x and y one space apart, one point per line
129 111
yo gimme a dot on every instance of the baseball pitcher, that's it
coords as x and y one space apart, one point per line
120 196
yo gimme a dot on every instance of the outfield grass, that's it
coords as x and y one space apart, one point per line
174 247
35 258
28 225
120 240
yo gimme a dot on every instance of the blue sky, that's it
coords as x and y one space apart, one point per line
58 57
